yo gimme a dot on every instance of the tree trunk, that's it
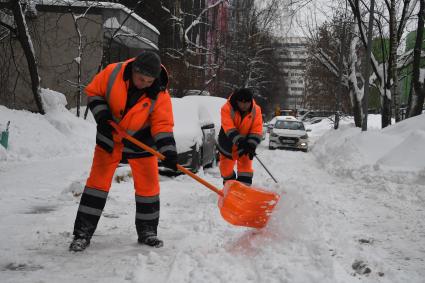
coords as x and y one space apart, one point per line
357 112
417 94
78 62
386 112
341 67
393 75
28 48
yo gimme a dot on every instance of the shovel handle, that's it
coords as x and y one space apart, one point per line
122 133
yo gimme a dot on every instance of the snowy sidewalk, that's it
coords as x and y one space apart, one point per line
322 225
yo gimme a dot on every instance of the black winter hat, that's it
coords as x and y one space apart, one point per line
147 63
243 94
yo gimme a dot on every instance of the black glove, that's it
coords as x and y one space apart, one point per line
241 144
250 150
104 127
247 148
170 160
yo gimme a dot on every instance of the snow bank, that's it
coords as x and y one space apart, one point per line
395 152
60 133
38 137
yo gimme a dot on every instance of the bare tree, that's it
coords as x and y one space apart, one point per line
386 83
250 46
78 58
342 69
417 95
185 46
25 41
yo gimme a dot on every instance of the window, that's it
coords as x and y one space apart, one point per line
289 125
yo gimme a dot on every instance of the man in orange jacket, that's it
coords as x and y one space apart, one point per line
240 133
133 94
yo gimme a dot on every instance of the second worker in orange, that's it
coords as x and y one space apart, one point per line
240 133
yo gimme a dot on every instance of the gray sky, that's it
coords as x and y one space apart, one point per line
299 17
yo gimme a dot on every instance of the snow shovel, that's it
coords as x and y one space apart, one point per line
239 204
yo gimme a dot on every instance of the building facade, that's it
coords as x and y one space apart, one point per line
56 39
292 61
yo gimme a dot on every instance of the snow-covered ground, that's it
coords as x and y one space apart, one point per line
352 210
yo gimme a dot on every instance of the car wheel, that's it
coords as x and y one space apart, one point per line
271 147
212 164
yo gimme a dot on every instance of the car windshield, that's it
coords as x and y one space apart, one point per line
289 125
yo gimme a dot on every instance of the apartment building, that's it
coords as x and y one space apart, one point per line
292 60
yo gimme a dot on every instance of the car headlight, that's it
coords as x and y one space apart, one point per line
273 135
304 137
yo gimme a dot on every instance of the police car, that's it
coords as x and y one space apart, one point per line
289 133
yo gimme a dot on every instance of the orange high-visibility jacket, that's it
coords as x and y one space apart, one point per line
150 119
234 127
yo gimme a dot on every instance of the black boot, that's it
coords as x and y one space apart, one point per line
147 218
150 239
245 178
79 244
89 211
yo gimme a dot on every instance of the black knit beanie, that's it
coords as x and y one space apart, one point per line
147 63
243 94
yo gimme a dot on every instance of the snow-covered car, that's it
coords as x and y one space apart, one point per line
310 115
288 132
212 105
316 120
194 132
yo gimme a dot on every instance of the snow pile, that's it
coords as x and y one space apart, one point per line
60 133
318 129
57 133
394 152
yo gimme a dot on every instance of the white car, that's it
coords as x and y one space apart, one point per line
194 133
211 107
270 124
288 132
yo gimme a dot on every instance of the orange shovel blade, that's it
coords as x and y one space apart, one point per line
246 206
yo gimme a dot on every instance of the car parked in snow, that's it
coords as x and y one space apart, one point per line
194 132
272 122
289 133
212 105
315 115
